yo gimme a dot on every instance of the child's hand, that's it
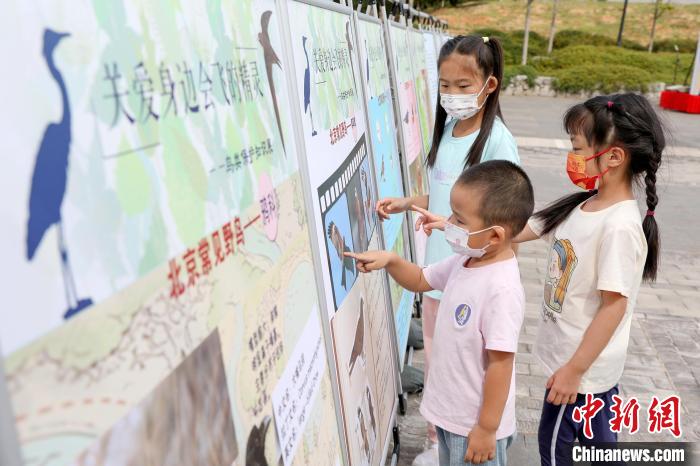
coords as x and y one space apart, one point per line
370 260
428 220
391 205
481 446
563 385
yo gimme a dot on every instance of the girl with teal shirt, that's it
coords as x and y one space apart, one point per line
470 72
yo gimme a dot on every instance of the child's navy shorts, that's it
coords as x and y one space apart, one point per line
558 431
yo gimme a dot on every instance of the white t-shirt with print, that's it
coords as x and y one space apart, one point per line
590 252
482 308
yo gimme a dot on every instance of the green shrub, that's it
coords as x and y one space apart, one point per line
659 66
666 45
515 70
602 78
568 37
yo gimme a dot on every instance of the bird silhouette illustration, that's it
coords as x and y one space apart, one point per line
338 242
255 447
367 60
271 59
49 180
372 421
358 346
363 432
350 49
307 86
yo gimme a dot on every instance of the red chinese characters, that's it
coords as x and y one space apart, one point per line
210 252
587 412
665 415
626 415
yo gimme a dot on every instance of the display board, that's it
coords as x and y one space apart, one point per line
411 140
432 45
422 86
388 163
159 308
342 192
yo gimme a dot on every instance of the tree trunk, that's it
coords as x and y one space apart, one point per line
653 25
622 25
527 32
552 27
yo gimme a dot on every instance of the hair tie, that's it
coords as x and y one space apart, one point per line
650 213
610 104
486 39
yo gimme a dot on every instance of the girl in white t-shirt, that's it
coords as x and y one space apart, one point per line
601 250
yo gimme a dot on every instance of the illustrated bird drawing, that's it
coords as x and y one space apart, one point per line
307 86
358 346
367 60
348 38
363 431
49 181
255 447
271 59
372 421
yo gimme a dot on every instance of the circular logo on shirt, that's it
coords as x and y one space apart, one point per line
462 314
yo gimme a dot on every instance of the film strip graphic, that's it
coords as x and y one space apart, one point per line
335 185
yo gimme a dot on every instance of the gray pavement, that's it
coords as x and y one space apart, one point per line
664 350
542 117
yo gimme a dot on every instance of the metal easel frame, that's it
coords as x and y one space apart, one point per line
372 16
345 9
401 9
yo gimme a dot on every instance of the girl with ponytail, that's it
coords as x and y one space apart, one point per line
471 72
601 251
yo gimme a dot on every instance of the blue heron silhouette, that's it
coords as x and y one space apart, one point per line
307 86
49 181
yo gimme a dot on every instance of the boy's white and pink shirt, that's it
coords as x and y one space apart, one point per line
482 308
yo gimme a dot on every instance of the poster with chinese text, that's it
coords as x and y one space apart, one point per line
344 194
158 243
388 170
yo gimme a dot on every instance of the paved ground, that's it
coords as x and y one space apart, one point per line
542 117
664 351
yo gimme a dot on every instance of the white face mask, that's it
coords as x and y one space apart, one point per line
458 239
462 106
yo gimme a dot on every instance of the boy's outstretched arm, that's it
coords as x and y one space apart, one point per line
482 438
564 383
406 274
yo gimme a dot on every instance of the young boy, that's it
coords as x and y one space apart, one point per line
470 393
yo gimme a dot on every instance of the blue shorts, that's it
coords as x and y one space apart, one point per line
558 431
453 447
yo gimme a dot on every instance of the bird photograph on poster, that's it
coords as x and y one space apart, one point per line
339 239
190 407
358 216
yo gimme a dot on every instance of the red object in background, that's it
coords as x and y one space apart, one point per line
680 101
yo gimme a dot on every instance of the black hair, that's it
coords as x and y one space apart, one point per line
507 197
488 54
629 121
